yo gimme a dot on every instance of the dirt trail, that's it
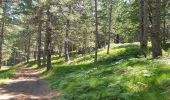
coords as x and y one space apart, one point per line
26 85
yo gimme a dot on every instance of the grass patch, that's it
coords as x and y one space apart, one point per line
121 75
6 73
131 79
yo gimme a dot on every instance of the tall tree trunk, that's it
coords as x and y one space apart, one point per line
48 39
117 38
110 21
14 56
155 35
28 44
35 55
167 32
39 44
143 14
2 30
44 55
105 37
96 33
25 51
84 45
60 48
164 23
28 48
0 41
66 40
39 27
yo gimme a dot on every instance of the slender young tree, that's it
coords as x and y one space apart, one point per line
96 33
28 49
84 44
66 40
28 45
110 23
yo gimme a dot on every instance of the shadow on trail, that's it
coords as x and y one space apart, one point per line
25 85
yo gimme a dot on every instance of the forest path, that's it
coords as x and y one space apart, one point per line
26 85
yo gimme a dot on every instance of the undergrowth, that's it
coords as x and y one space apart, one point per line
6 73
121 75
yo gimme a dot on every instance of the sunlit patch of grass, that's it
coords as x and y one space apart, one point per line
121 75
57 60
22 64
118 51
6 73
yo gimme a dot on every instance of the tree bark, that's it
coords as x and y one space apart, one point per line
164 23
14 56
2 30
60 48
84 46
44 56
155 35
66 42
48 39
39 44
39 36
96 33
28 48
35 55
110 21
117 39
143 17
105 37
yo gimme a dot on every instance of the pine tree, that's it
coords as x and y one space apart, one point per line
155 34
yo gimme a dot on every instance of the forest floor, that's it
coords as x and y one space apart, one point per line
25 85
122 74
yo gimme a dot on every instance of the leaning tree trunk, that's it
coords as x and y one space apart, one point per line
143 16
155 35
48 39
